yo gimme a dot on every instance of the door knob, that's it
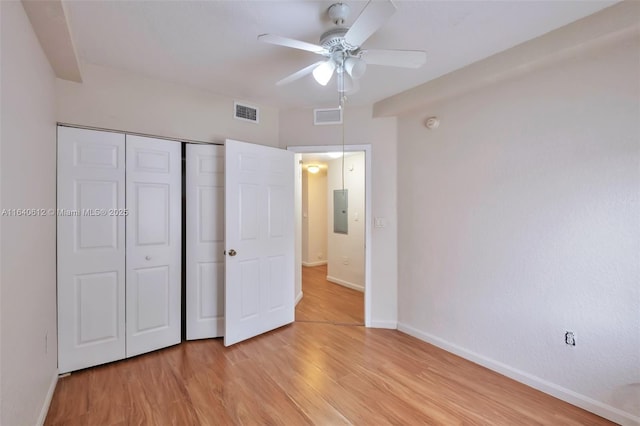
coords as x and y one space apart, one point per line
148 257
232 252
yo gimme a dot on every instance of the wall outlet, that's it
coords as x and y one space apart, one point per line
345 260
570 338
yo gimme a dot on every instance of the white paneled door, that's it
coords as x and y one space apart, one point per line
91 248
154 176
259 240
205 241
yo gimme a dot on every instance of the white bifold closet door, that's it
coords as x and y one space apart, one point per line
154 225
205 241
119 246
91 248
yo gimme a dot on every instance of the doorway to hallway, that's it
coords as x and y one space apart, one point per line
333 230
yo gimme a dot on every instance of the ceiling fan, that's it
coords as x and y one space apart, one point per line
342 49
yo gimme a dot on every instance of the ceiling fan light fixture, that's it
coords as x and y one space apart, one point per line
323 72
355 67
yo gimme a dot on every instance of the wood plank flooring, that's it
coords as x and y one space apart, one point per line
324 301
305 373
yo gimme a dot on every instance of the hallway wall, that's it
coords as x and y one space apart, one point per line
314 218
346 252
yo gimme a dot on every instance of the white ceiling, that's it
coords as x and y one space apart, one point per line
212 44
324 157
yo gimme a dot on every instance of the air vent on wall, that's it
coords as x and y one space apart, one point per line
327 116
245 112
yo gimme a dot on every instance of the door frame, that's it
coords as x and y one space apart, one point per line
309 149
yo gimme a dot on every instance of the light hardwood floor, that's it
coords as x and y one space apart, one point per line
305 373
324 301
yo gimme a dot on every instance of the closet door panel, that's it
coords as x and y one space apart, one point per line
205 241
91 248
154 190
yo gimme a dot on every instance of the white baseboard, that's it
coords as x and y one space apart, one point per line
47 401
391 325
567 395
318 263
345 283
299 297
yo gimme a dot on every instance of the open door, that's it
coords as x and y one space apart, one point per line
259 239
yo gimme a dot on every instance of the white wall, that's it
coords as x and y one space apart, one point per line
304 194
314 218
346 251
119 100
296 128
519 220
27 258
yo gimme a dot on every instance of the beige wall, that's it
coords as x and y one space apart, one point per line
28 360
314 218
296 129
346 251
519 220
119 100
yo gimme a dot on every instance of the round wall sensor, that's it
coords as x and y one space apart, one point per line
432 123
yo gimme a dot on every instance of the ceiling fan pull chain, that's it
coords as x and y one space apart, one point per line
342 99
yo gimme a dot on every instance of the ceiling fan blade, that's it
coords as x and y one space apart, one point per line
395 58
289 42
372 17
299 74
